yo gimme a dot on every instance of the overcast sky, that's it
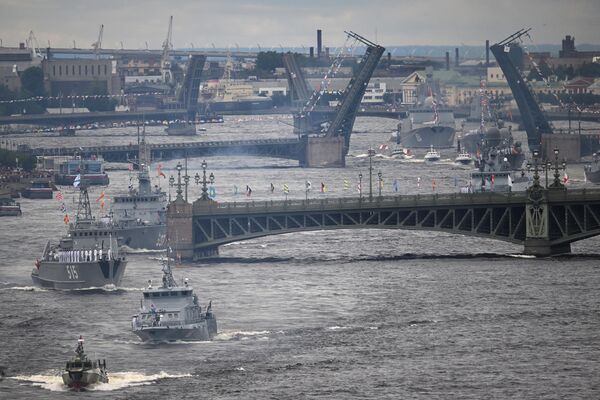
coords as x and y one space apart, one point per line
273 23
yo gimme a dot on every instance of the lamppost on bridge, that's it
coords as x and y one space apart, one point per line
371 153
178 184
557 184
204 181
360 186
186 179
536 169
380 181
171 183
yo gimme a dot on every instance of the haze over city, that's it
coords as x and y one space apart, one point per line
271 23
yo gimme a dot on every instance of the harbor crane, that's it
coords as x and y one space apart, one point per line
33 45
165 63
97 45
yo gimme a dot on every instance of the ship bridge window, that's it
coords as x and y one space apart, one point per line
185 293
155 294
174 293
164 294
170 315
146 295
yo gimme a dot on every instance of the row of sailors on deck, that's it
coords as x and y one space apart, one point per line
80 255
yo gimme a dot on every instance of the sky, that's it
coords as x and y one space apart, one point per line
271 24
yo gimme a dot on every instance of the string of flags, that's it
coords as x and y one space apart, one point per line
63 207
78 97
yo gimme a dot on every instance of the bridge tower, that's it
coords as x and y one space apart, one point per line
179 220
327 139
300 91
190 88
533 118
537 217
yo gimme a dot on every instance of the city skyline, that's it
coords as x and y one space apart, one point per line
272 24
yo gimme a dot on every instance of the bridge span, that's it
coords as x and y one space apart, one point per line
544 221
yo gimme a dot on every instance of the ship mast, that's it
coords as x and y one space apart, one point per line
168 280
145 185
84 209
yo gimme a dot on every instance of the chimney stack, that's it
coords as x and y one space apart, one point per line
326 52
487 53
447 61
312 52
319 43
456 56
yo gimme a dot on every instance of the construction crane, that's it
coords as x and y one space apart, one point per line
33 45
97 45
165 64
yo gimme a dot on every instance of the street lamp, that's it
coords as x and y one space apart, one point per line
557 183
380 179
360 186
371 153
204 181
178 184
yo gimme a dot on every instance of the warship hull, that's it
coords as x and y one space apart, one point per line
78 275
203 331
150 237
441 137
81 379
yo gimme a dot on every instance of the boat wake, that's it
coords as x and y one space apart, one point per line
116 380
129 250
25 288
240 335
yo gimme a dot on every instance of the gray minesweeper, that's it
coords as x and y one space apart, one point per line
140 216
172 312
427 127
88 256
81 372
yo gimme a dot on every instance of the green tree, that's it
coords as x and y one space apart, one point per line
97 99
32 81
269 60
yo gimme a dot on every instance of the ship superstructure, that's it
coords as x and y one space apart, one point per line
140 215
172 312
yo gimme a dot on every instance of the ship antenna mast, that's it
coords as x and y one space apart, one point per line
84 210
168 280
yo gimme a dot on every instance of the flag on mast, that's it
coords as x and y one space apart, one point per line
77 180
159 170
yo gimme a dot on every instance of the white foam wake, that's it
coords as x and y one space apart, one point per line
26 288
239 335
116 380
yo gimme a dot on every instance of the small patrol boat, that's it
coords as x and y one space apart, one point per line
81 372
432 155
172 312
464 158
9 208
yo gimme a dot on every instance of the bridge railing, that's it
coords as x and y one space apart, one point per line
352 203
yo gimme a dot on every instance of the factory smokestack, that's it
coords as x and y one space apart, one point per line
447 61
456 56
319 43
487 53
312 52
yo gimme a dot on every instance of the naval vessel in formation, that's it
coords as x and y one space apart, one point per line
592 170
81 372
172 312
88 256
139 217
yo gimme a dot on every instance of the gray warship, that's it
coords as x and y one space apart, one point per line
140 215
172 312
81 372
88 256
426 127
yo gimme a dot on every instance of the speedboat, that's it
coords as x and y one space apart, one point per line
464 158
432 155
81 372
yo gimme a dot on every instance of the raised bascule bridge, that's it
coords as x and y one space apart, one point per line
545 221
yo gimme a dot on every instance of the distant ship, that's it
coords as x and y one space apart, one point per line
181 128
432 155
81 372
88 256
139 217
173 312
425 127
8 207
38 189
93 169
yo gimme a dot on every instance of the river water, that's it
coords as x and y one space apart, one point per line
325 314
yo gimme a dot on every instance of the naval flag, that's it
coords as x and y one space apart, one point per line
77 180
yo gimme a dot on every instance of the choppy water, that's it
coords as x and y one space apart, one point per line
325 314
